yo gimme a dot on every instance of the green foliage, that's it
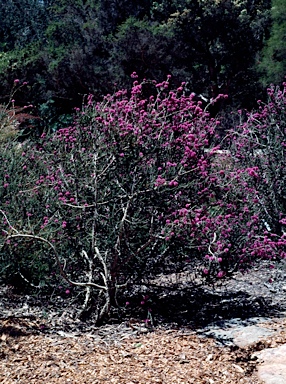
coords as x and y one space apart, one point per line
68 61
273 63
142 46
22 22
113 13
162 10
20 57
217 44
52 118
85 47
211 45
13 262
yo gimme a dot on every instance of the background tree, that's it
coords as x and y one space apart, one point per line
273 63
217 44
85 47
66 62
22 27
22 22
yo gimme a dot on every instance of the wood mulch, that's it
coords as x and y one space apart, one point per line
49 346
122 354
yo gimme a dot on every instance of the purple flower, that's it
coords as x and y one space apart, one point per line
134 75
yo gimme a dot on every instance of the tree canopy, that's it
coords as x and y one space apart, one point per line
68 49
273 64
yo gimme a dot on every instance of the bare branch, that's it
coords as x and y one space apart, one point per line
62 272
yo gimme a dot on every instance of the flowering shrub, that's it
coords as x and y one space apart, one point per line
258 147
135 182
250 202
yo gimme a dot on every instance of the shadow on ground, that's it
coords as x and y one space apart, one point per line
197 307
